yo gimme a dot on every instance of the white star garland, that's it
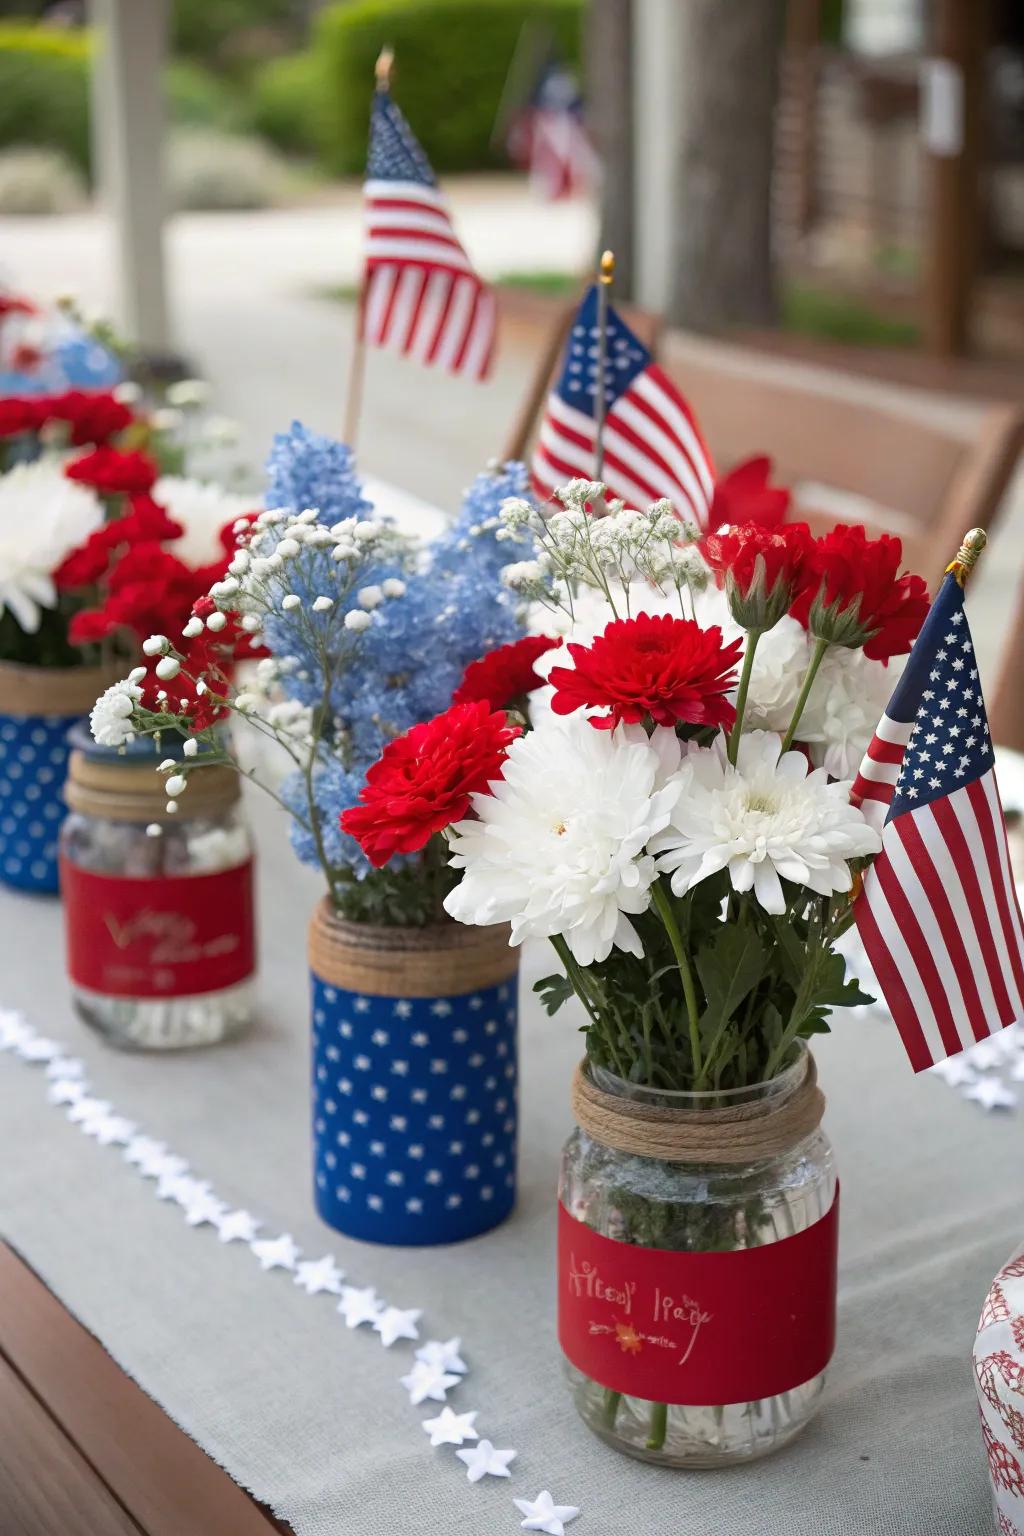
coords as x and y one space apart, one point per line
437 1367
983 1073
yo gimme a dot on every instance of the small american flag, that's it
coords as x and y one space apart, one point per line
549 138
938 913
652 443
420 295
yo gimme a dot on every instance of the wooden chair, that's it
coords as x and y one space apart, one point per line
853 449
1006 703
646 325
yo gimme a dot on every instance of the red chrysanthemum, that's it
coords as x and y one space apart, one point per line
112 473
852 593
735 553
506 674
145 523
659 666
762 569
422 782
744 496
18 414
93 415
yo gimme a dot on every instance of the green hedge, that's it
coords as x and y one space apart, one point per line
228 34
284 105
452 58
44 92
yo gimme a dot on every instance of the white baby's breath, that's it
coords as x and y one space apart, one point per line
111 715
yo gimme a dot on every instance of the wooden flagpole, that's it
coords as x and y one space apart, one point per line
604 284
357 362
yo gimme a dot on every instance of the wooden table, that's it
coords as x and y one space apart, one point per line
83 1450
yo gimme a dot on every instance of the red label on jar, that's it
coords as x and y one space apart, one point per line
698 1328
178 936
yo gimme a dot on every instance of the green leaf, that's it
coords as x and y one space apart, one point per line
792 950
729 966
828 988
553 991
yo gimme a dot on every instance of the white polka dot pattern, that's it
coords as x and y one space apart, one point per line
33 763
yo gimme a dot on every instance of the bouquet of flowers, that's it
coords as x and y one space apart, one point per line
86 523
672 819
47 350
96 550
365 632
671 822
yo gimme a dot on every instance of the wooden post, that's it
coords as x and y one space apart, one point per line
608 41
128 139
801 64
952 107
357 361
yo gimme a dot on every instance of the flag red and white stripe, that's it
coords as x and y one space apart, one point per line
653 448
937 911
939 919
421 296
875 784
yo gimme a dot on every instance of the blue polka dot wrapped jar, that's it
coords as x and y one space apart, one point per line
38 708
414 1078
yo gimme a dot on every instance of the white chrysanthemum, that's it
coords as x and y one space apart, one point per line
43 517
560 846
771 818
202 510
111 716
847 701
781 660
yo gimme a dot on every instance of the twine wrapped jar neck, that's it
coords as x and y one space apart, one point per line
439 960
52 693
122 790
748 1130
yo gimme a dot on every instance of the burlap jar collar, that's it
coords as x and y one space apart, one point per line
736 1134
442 959
51 693
122 790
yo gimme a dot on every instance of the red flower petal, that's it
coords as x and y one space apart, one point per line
658 666
422 781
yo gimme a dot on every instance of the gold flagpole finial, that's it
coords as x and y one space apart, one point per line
967 555
607 269
383 67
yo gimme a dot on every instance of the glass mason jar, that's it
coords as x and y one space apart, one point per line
159 916
709 1313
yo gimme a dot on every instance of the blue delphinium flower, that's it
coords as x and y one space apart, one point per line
82 362
408 658
307 469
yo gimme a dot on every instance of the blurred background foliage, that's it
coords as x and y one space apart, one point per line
291 75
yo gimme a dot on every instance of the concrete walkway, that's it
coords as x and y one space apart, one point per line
247 298
248 308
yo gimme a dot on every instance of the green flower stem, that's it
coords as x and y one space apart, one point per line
575 975
658 1426
668 917
612 1403
574 971
753 636
820 647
